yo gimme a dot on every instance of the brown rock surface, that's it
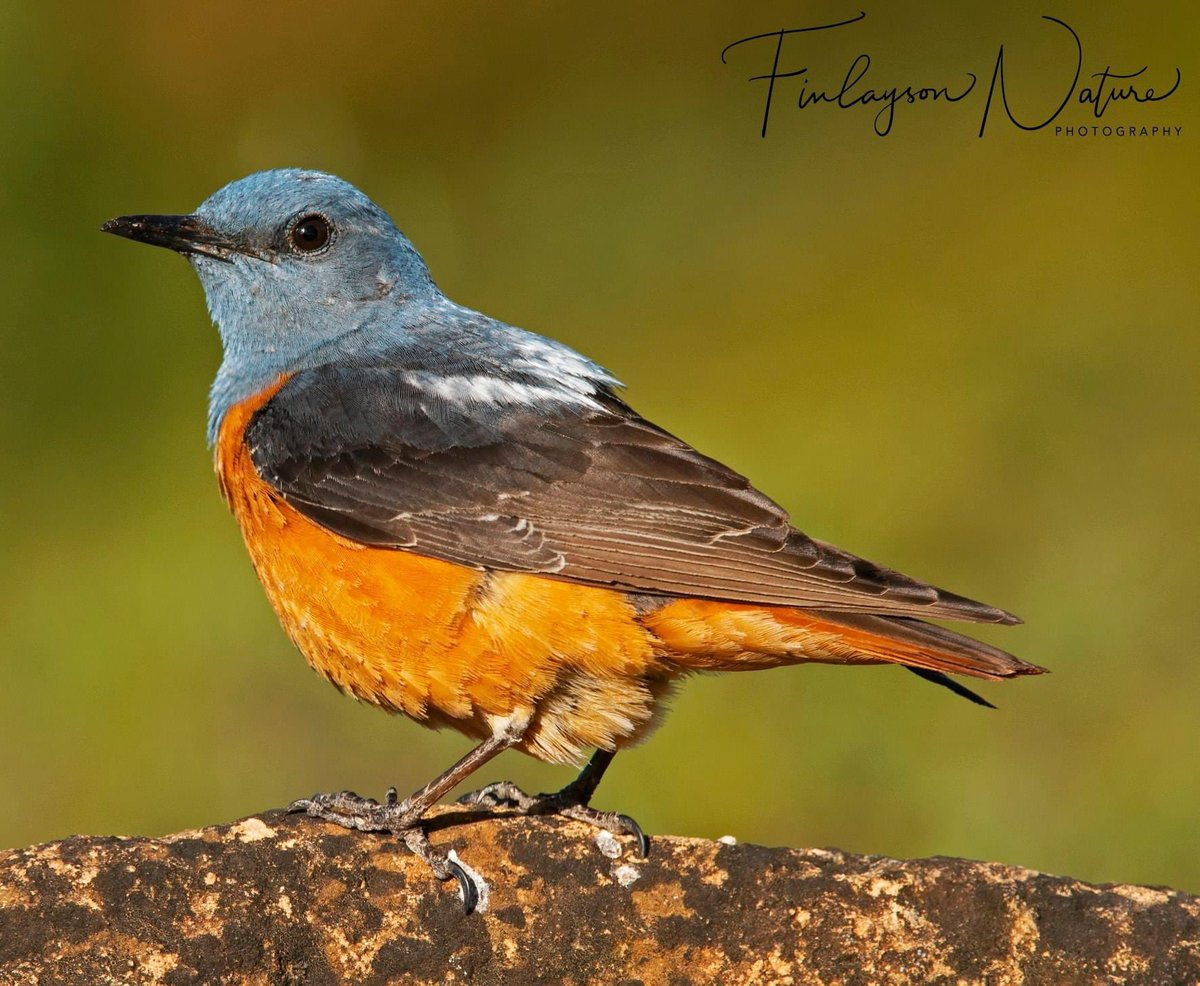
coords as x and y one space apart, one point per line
280 899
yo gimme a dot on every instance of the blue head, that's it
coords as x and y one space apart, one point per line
301 269
295 266
307 250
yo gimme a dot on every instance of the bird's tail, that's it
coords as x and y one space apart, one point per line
715 636
916 644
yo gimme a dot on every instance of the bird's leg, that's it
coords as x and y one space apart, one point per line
402 818
573 801
367 815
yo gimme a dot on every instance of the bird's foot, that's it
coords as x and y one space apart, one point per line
394 816
569 803
353 811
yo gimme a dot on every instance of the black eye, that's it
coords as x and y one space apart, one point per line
310 233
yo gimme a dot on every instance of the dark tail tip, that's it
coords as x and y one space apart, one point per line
947 682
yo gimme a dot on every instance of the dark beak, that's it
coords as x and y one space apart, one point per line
185 234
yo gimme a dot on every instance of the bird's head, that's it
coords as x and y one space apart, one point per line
297 267
290 261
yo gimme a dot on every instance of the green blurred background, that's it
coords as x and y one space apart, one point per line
975 360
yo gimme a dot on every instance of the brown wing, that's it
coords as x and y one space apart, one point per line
591 493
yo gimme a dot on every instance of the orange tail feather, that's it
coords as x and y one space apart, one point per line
701 634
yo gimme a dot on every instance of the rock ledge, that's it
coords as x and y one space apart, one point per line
283 899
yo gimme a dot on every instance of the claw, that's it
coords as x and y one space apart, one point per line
631 827
444 867
470 893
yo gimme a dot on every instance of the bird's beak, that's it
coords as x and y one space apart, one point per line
185 234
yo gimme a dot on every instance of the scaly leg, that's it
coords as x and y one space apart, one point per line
403 818
573 801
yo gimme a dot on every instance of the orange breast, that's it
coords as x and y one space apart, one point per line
445 644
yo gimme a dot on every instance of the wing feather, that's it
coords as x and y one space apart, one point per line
583 491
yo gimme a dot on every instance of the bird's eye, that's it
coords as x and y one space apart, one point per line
310 234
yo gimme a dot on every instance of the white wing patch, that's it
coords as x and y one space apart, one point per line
484 389
542 357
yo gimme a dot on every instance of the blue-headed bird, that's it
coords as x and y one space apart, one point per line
464 522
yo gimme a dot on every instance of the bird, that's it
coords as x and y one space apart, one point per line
465 522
